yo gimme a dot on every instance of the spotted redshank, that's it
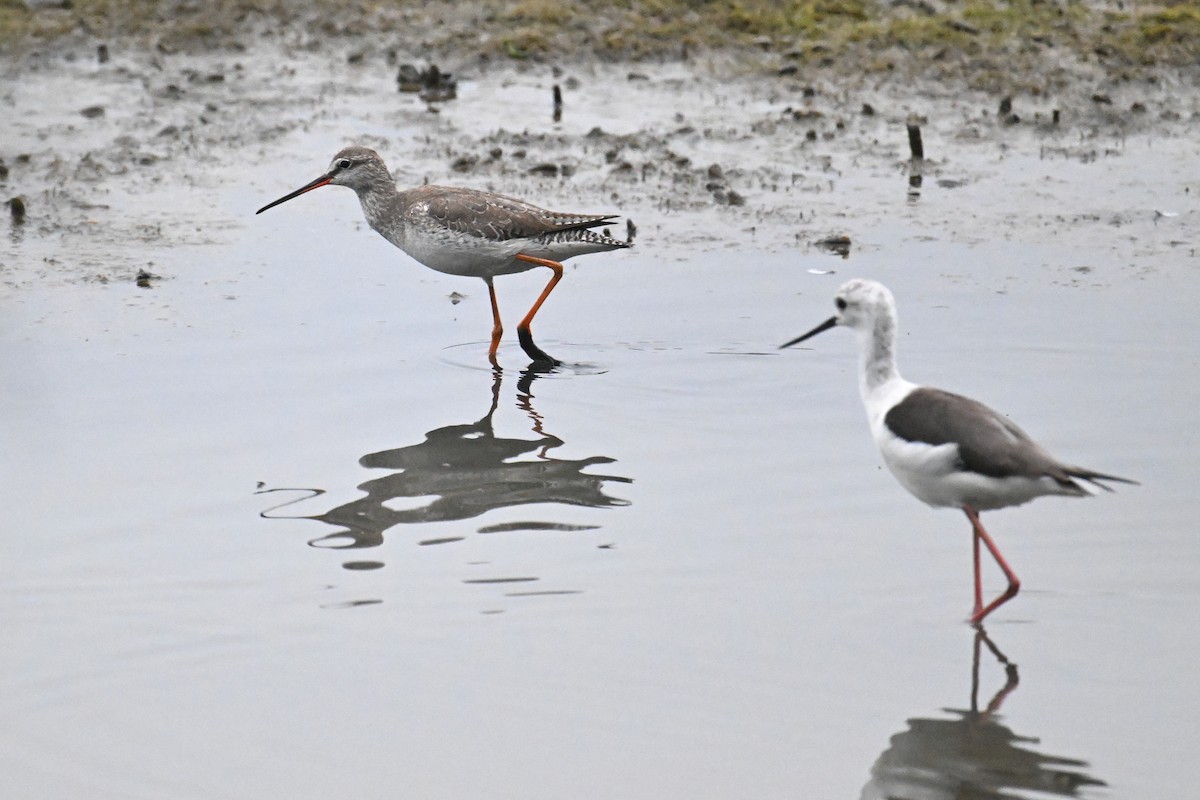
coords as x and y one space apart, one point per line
947 450
466 231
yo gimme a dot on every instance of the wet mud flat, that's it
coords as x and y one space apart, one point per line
283 530
120 147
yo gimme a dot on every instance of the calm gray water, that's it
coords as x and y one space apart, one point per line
274 529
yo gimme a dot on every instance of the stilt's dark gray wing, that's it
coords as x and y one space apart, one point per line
988 443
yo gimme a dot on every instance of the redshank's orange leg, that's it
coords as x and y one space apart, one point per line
523 333
1014 584
497 326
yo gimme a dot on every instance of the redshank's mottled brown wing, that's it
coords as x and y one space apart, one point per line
492 216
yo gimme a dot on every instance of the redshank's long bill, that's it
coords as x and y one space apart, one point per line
467 231
946 449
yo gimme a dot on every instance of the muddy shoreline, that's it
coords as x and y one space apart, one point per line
717 145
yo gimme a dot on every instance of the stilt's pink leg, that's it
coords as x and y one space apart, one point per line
1014 583
978 577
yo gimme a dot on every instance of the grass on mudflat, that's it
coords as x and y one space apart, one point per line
1118 34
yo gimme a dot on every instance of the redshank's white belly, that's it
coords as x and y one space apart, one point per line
459 253
456 253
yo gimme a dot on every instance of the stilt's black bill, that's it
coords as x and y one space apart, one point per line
824 326
308 187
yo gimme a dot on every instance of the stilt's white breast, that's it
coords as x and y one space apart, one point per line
923 469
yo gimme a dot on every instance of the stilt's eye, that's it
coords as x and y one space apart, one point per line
840 303
343 163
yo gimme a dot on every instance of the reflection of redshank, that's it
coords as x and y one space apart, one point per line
466 231
947 450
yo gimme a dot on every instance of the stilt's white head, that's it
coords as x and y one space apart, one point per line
867 308
863 306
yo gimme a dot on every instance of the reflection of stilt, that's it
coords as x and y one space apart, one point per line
972 754
1010 670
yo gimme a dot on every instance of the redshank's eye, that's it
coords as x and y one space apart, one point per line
840 303
343 163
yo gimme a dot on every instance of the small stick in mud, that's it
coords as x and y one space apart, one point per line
557 103
918 157
914 141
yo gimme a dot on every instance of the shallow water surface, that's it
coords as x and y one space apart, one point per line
275 527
